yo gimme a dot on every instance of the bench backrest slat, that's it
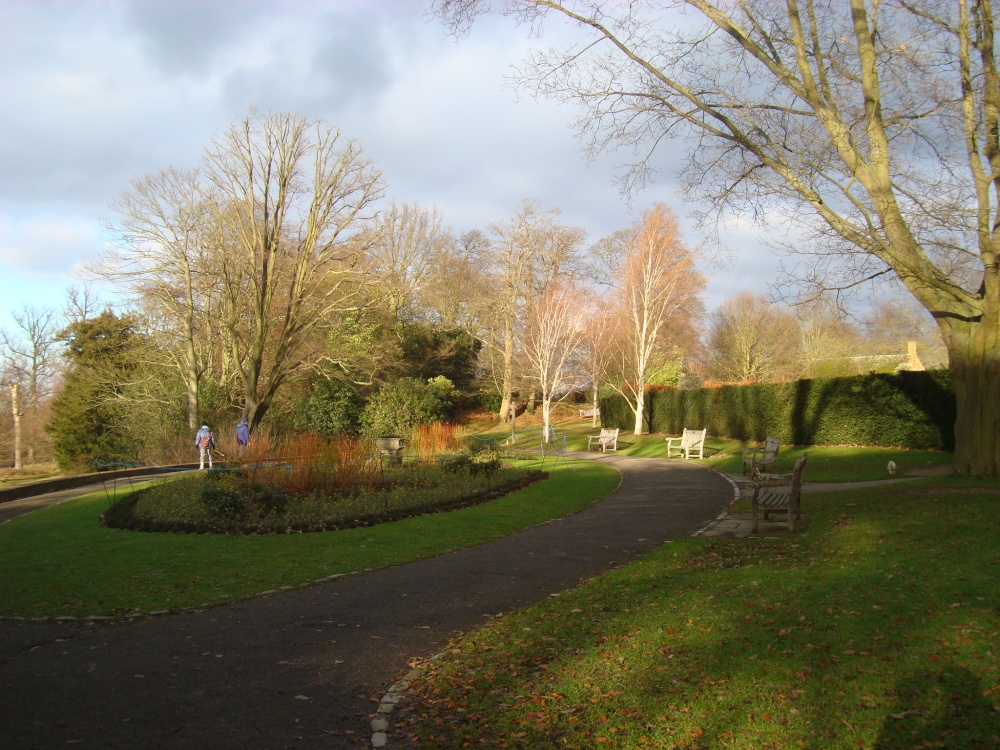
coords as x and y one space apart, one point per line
771 446
692 438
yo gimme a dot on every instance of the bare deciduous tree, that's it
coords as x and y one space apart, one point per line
551 342
597 353
81 304
751 340
160 258
825 332
870 126
26 361
12 378
528 252
409 248
292 201
454 295
658 284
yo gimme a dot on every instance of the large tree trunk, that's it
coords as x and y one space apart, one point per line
975 368
192 395
193 372
255 405
16 412
546 418
640 405
506 404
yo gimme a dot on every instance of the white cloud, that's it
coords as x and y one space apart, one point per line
94 92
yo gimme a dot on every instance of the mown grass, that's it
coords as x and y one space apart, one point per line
826 463
846 463
877 628
59 561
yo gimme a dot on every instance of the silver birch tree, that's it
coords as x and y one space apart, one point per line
551 344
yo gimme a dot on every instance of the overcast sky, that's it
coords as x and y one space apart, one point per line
94 92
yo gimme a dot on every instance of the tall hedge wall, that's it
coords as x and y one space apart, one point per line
907 409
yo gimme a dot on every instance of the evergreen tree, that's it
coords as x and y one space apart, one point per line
89 418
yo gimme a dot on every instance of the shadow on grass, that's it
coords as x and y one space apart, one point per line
940 707
849 637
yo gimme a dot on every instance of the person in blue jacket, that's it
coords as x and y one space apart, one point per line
242 436
204 440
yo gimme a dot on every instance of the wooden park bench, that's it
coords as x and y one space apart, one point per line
778 492
762 458
607 439
590 412
692 441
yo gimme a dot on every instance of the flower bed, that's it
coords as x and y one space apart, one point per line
240 502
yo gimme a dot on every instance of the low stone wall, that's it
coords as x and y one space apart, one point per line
82 480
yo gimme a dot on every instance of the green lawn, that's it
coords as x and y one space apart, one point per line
59 561
825 464
879 627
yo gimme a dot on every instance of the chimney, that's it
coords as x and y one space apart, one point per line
912 360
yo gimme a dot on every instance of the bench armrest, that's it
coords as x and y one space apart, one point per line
770 480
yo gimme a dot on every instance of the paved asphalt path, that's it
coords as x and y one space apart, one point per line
108 483
305 668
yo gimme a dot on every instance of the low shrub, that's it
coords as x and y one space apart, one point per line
234 502
429 440
330 408
308 462
397 407
485 463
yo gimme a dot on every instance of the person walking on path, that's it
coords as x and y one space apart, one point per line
242 436
204 440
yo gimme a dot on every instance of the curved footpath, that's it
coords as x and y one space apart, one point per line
308 668
16 501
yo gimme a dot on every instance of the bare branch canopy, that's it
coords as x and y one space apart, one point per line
866 131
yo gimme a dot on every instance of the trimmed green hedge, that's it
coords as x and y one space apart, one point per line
907 409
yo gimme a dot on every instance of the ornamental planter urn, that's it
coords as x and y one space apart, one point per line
391 448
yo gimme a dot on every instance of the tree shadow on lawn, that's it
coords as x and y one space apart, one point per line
708 641
941 707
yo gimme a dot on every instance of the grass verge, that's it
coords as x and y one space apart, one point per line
59 561
878 628
826 463
31 473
